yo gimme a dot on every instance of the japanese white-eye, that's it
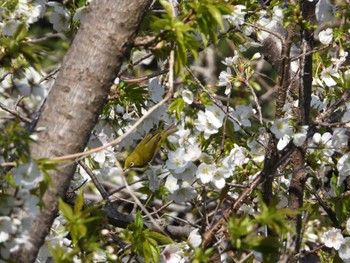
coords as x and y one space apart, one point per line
148 148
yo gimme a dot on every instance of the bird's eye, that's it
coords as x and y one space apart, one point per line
131 164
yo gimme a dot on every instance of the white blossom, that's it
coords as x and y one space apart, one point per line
283 142
321 142
215 115
225 79
206 172
181 137
176 161
171 184
344 250
231 61
28 175
346 116
7 227
277 14
343 166
328 75
247 209
256 56
325 12
257 148
317 103
300 136
29 85
188 175
219 179
237 157
10 27
155 90
194 238
237 16
281 127
59 18
283 202
183 194
340 139
242 114
205 124
187 96
80 14
146 57
172 254
193 152
326 36
333 238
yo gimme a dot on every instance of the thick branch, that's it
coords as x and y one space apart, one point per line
285 71
74 104
296 192
297 184
305 88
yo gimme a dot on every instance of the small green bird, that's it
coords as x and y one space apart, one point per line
148 148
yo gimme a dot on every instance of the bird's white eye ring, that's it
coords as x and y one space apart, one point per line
131 164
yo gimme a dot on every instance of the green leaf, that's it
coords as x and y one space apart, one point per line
167 7
154 251
159 237
138 221
216 14
79 203
147 252
267 244
325 257
342 205
239 228
177 105
274 218
255 85
66 210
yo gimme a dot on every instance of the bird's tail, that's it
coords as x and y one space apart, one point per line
170 130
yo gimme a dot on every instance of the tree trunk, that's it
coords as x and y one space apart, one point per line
75 101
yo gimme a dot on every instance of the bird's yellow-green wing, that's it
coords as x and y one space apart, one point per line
148 148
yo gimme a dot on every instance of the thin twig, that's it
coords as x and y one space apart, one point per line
46 77
225 119
94 179
8 164
143 208
322 116
48 36
4 76
18 101
181 220
335 124
309 52
304 253
248 256
15 113
140 79
134 63
161 208
258 107
280 37
331 214
212 97
122 187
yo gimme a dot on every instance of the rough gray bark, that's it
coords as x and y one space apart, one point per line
74 104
